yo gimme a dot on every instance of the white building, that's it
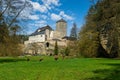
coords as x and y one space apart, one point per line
40 35
46 35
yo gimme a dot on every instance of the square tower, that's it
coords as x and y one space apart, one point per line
61 27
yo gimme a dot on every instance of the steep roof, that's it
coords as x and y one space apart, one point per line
41 30
61 20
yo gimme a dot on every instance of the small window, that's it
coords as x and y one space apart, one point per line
41 35
39 30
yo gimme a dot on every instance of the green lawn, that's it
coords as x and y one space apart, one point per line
67 69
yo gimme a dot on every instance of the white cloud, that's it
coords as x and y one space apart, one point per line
43 16
38 7
27 14
68 17
43 10
33 17
39 23
47 4
61 15
51 2
55 17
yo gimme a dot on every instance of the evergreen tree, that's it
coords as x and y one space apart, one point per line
56 48
74 31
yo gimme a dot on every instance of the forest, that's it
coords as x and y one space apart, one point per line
100 35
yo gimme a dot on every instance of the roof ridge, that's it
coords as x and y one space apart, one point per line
41 30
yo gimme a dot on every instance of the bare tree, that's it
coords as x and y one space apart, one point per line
11 10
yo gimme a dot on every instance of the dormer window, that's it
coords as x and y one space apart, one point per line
39 30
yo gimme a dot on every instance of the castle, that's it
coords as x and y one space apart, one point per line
42 41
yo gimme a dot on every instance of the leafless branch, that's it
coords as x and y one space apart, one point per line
13 20
5 8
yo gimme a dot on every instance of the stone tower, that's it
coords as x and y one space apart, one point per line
61 27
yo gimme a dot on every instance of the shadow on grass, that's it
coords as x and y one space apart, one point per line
6 60
107 74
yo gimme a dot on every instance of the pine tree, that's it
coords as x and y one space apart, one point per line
56 48
74 31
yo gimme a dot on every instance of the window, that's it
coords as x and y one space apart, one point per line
39 30
47 44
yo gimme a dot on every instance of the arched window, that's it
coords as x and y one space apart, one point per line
47 44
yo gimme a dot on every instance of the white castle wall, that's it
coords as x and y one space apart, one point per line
36 38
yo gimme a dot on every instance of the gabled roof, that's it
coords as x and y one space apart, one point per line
61 20
41 30
44 28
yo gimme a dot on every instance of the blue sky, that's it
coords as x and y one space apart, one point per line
47 12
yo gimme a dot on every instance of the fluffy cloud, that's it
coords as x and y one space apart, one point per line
66 16
50 2
33 17
55 17
42 10
38 23
42 22
43 16
61 15
27 14
38 7
47 5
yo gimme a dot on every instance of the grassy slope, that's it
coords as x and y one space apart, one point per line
68 69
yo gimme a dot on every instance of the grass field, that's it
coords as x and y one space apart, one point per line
67 69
